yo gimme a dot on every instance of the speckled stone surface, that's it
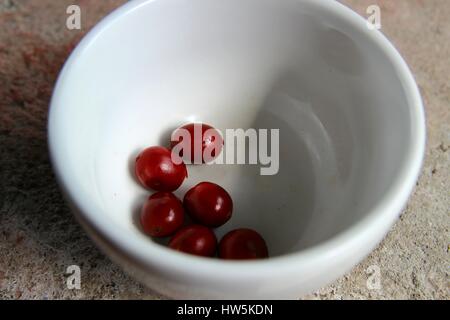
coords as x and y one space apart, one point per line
39 238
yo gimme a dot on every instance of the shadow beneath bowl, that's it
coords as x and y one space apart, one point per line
40 237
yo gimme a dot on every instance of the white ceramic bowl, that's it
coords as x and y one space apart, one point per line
351 126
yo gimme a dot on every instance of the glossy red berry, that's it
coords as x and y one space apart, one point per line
195 239
202 137
156 170
242 244
208 204
162 214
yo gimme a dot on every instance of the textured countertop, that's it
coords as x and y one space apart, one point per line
39 238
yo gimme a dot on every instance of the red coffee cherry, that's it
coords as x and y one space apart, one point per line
156 170
243 244
209 204
195 239
202 137
162 214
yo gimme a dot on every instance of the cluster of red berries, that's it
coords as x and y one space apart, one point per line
208 204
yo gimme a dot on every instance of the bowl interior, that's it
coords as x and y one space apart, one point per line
339 105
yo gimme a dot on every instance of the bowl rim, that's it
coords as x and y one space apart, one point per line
372 226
